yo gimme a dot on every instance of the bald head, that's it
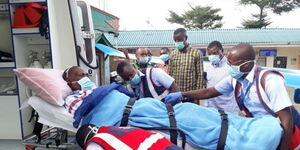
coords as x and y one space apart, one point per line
126 71
73 74
242 55
71 71
242 52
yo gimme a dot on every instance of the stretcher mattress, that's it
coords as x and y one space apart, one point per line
56 116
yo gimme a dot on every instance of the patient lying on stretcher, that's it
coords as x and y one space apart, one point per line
202 126
81 87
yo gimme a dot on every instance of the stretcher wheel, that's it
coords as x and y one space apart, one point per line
28 147
64 136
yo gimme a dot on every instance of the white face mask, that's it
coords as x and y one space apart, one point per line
214 59
144 60
235 71
135 80
164 57
86 83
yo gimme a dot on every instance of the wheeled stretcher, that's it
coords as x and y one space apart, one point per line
60 122
57 133
202 126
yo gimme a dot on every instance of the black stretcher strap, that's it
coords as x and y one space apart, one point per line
173 124
127 111
37 126
224 130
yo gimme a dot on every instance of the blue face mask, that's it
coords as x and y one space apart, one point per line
214 59
144 60
136 80
235 72
164 57
86 83
179 45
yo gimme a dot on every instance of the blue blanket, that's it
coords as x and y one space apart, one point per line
201 125
96 97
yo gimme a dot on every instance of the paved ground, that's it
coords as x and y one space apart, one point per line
17 145
11 145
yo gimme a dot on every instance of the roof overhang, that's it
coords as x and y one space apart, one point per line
104 21
201 38
224 45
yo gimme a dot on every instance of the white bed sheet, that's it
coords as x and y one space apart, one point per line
56 116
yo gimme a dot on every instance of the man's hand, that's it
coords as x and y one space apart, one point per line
125 51
173 97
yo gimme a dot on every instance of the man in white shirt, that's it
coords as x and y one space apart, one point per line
215 71
243 72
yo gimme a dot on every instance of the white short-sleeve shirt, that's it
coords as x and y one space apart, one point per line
275 90
214 74
160 79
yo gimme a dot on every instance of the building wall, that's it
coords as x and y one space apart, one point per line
293 54
155 51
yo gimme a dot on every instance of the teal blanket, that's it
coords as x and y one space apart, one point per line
201 125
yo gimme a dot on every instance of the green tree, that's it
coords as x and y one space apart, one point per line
257 22
198 18
276 6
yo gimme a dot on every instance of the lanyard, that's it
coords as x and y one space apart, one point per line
243 94
241 98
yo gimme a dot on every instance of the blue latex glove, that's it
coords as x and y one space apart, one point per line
173 97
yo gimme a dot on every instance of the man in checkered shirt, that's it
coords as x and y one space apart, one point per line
186 64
